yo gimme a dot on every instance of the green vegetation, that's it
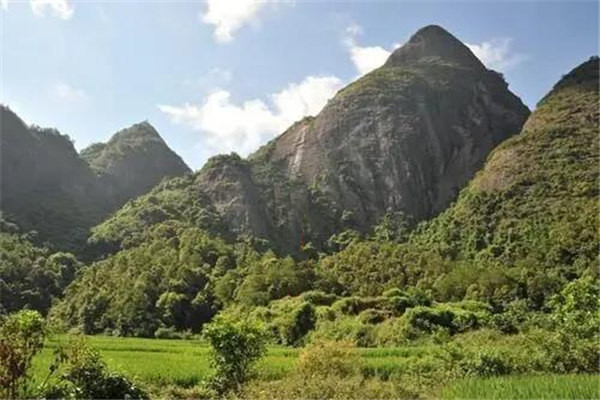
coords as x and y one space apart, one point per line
21 338
50 190
236 345
79 371
576 387
522 229
498 296
30 276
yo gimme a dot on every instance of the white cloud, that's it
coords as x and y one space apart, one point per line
4 4
227 126
365 59
496 54
64 92
228 16
60 8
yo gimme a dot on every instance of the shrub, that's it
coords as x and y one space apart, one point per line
394 292
427 318
324 358
573 346
235 347
294 326
167 333
345 329
325 313
398 304
372 316
86 376
449 316
354 305
328 370
22 336
319 298
513 317
488 363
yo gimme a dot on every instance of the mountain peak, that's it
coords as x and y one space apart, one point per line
141 131
434 41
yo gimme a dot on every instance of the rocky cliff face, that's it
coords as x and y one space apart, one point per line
405 137
46 186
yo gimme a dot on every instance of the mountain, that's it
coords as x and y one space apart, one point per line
519 232
133 161
47 187
522 228
403 138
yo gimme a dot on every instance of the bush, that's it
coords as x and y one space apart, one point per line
319 298
345 329
354 305
488 363
86 376
394 292
235 347
450 316
398 304
22 336
573 346
372 316
511 320
294 326
167 333
426 319
325 313
328 370
324 358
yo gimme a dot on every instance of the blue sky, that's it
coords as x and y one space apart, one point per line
228 75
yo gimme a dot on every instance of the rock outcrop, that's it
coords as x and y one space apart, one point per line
404 138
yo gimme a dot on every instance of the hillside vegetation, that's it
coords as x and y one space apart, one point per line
517 235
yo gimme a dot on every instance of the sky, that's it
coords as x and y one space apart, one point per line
218 76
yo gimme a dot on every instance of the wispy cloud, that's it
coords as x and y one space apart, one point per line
64 92
365 58
228 16
497 54
58 8
226 126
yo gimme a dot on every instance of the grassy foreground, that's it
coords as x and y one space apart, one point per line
582 387
159 363
185 362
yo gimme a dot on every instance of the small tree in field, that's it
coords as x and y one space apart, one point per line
21 337
235 347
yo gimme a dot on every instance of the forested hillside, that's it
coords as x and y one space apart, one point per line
523 229
403 138
48 188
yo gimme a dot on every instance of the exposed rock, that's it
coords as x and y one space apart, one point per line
405 137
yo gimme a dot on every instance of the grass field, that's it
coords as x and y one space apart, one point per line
185 362
581 387
157 363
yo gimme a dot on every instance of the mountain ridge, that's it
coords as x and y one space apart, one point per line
404 138
77 190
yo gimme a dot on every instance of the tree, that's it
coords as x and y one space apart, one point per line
235 348
21 337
